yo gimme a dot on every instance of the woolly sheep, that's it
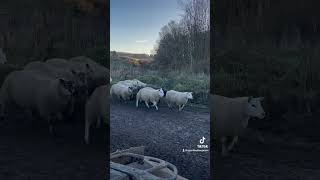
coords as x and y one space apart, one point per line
149 94
56 71
53 71
48 97
178 98
139 83
128 83
135 83
121 91
97 107
231 115
58 63
97 76
61 65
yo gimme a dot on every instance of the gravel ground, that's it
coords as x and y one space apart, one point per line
29 152
164 133
282 156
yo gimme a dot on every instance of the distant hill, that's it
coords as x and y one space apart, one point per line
132 58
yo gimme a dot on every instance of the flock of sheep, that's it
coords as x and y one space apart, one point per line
128 89
52 90
230 116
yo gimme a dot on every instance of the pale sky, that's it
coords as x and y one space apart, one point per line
135 24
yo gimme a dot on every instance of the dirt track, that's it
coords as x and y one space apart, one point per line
290 151
164 133
28 152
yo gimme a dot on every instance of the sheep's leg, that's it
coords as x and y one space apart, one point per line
137 102
155 105
146 104
87 131
181 107
98 125
169 105
126 98
234 141
224 151
51 125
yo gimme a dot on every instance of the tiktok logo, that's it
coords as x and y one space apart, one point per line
202 140
202 145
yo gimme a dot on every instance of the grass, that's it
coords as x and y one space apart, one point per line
198 83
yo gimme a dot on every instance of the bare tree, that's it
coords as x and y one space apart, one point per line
186 44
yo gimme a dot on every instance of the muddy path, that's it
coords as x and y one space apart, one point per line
28 151
164 133
290 150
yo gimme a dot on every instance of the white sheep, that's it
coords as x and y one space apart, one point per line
97 108
51 70
98 74
135 83
121 91
58 63
179 99
128 83
62 67
139 83
48 69
149 94
231 116
48 97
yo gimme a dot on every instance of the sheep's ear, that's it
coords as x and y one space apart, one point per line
250 98
261 98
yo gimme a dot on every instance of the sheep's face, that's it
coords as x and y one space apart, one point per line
139 83
189 95
161 93
130 89
65 87
132 83
254 108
